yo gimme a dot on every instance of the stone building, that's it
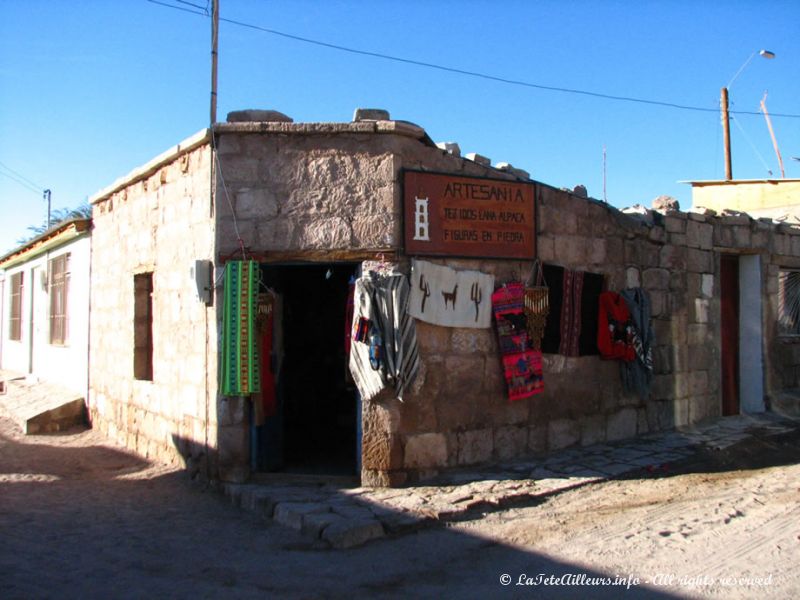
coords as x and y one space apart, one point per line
316 204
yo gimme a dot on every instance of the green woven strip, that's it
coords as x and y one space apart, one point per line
239 365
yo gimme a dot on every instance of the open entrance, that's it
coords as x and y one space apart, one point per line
313 427
741 334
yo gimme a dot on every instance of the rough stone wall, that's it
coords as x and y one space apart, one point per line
161 222
459 414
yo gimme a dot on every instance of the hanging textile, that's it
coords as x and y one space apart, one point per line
265 402
240 364
349 308
522 366
537 305
571 313
615 330
638 374
384 352
572 321
443 296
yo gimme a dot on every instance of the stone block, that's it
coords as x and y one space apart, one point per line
380 451
681 412
350 533
370 114
621 425
698 383
699 261
593 430
562 433
655 279
672 257
475 446
598 253
632 277
432 339
291 514
472 341
510 442
700 313
698 333
258 115
642 425
425 450
258 203
699 235
741 236
701 357
675 223
537 439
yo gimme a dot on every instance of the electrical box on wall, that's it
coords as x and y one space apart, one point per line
201 273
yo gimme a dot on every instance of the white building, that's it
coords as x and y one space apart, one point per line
44 324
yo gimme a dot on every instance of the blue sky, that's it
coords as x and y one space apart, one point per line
91 89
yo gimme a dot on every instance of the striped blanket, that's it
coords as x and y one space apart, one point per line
382 299
240 363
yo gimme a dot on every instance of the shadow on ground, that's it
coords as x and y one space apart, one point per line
107 524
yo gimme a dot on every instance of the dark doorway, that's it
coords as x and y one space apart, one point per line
314 428
729 333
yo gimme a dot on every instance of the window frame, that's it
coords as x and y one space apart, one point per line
58 269
790 331
143 326
16 295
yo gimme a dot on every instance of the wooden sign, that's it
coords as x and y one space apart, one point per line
450 215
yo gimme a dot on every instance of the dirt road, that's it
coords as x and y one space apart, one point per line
80 518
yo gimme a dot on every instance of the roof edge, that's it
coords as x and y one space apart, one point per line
192 142
41 242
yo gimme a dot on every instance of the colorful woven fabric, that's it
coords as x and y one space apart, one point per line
571 313
240 363
522 366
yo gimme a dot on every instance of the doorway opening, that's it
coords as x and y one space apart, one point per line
315 424
741 334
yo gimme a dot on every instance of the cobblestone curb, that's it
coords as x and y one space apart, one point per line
347 517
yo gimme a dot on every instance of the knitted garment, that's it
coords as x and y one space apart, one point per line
615 330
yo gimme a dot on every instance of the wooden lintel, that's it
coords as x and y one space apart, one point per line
314 256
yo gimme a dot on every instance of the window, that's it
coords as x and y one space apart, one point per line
15 315
789 302
59 294
143 326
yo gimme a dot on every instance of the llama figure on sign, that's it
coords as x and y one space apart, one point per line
450 296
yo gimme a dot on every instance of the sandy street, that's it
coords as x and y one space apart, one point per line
80 518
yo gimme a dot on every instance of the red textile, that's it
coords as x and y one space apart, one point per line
348 317
522 366
571 313
614 334
268 397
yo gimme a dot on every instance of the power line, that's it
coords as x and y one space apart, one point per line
21 176
466 72
21 180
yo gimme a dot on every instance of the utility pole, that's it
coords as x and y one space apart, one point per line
772 134
46 196
214 40
726 133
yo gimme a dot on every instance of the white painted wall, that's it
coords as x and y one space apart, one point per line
64 365
751 359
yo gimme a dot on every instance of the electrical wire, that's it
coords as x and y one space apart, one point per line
752 145
21 179
466 72
28 187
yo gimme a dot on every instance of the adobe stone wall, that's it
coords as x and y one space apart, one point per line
305 192
159 221
458 414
